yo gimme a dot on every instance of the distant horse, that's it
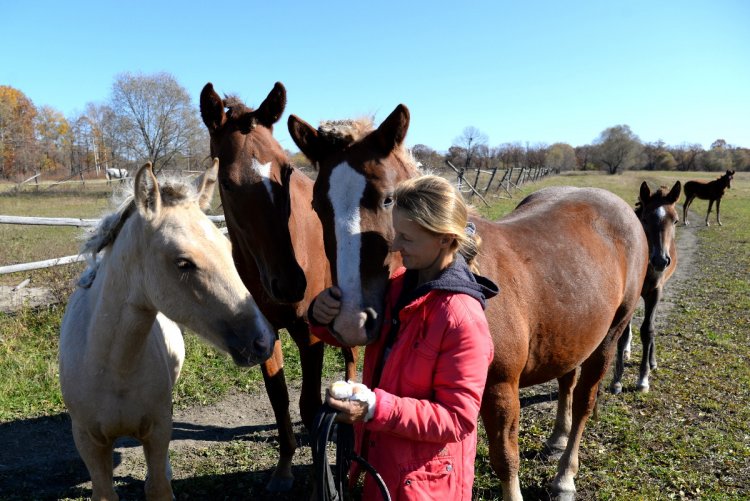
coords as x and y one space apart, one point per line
120 174
711 191
553 314
156 258
659 217
277 246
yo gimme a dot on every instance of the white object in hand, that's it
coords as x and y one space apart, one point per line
349 390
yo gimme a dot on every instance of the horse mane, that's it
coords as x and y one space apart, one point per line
235 107
346 131
658 197
174 190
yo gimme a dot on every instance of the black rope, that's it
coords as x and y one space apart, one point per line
330 487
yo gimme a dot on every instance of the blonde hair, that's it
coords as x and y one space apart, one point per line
435 205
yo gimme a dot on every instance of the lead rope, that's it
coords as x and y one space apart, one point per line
328 488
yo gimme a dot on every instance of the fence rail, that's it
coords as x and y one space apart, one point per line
58 221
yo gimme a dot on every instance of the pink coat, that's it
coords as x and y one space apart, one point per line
422 437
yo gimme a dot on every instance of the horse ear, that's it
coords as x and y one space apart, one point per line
645 193
147 194
270 110
674 193
212 108
306 138
392 131
205 184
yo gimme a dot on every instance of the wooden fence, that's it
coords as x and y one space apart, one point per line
505 180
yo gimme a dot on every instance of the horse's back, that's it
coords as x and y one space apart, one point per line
567 261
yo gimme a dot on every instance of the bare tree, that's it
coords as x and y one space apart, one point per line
686 155
157 119
470 142
617 148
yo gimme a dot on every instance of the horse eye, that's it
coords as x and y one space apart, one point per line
184 264
387 201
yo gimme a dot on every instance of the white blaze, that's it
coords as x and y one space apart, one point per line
346 187
264 171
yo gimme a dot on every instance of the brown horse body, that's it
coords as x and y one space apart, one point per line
711 191
277 246
659 217
570 264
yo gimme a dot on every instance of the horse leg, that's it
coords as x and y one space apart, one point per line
159 471
278 393
685 205
708 212
311 361
97 455
648 358
584 400
555 444
350 362
623 353
718 203
501 411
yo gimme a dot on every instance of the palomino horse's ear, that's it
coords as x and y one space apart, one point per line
674 193
306 138
147 194
212 108
270 110
205 185
392 131
645 193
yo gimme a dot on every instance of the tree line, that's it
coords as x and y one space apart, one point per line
151 117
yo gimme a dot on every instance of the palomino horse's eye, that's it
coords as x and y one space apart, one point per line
184 264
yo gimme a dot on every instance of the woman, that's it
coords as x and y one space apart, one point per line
428 368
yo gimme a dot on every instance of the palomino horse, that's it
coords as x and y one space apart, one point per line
570 264
659 217
158 256
277 244
711 191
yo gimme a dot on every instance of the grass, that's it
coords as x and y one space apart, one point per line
689 438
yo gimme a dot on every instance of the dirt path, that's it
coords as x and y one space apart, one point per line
38 459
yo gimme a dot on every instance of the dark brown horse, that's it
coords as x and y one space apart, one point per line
659 217
277 246
711 191
570 264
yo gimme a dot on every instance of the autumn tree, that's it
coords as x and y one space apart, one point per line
52 128
156 118
617 149
561 157
686 155
18 152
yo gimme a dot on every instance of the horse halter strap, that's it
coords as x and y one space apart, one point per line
328 487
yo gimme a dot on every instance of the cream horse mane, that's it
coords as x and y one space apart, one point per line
174 191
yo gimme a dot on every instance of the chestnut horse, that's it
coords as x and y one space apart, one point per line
570 264
277 245
659 217
711 191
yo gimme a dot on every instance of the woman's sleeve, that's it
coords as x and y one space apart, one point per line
458 384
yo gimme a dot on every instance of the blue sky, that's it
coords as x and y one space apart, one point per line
534 71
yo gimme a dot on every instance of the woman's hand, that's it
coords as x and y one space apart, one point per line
327 305
350 411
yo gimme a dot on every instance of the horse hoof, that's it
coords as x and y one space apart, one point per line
280 484
616 388
564 496
642 388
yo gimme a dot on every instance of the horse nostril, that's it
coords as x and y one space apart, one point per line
668 260
260 347
371 315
